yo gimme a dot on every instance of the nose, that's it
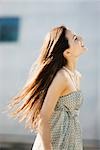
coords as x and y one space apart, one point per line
81 41
80 38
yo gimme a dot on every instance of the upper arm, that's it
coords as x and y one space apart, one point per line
54 91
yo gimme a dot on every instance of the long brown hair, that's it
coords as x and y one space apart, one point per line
28 103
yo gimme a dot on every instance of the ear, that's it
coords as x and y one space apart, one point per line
67 52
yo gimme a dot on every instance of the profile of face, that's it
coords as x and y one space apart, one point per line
76 45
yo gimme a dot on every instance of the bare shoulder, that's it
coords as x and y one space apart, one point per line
62 76
59 82
65 76
55 90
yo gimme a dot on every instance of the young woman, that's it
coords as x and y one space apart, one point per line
51 98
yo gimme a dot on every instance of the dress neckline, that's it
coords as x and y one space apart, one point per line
76 91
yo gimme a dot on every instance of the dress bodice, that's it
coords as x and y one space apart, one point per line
64 124
71 101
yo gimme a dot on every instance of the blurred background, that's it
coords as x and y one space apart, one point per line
23 26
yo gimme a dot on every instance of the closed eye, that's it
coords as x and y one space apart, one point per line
76 38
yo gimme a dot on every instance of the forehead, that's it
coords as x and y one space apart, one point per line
70 34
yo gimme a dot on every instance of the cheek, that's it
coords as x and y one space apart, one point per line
77 49
78 46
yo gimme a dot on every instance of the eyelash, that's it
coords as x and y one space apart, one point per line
76 38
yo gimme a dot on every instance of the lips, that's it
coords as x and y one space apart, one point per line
82 45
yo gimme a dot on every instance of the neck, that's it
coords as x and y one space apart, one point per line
71 65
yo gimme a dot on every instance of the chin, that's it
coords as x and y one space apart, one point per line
85 49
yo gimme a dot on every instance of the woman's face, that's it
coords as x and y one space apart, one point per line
76 44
